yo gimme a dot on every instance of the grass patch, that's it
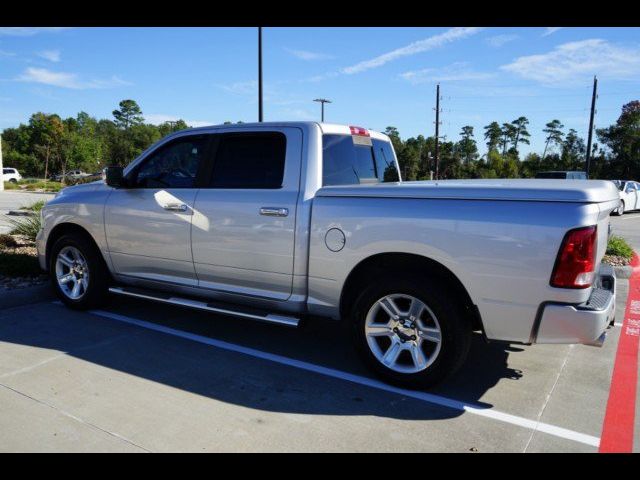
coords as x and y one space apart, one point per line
18 264
46 185
619 247
33 184
11 186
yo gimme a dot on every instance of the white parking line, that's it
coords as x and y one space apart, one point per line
360 380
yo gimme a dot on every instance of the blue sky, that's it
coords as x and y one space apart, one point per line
375 76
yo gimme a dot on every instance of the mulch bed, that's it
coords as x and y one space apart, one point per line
19 263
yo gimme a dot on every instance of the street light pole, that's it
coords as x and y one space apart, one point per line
260 74
322 102
587 163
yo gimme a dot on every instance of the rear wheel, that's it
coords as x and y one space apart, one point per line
411 331
620 209
78 273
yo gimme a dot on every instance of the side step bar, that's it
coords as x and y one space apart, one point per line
225 309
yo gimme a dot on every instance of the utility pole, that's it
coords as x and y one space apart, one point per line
593 111
322 102
260 74
1 175
437 153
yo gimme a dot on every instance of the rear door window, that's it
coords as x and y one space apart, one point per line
250 160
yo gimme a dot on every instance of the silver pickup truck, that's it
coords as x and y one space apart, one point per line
280 222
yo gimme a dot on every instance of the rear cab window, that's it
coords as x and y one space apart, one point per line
354 159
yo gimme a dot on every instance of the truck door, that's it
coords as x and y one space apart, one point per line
148 224
243 229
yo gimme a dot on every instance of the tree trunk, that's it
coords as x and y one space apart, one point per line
46 164
545 149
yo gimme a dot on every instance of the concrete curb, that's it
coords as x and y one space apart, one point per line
25 296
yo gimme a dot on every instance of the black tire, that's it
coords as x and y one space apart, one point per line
620 210
13 180
455 326
99 277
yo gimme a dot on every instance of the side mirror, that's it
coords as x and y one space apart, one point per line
114 176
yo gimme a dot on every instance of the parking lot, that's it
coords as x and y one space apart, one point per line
137 376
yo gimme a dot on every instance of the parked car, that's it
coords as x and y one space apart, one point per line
279 222
629 196
11 175
70 175
566 175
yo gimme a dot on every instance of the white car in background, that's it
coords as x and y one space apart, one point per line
629 196
11 175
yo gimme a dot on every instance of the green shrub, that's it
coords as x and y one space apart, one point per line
28 226
11 186
35 207
619 247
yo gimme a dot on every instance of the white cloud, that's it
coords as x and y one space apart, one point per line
455 72
414 48
4 53
308 56
28 31
575 62
159 118
67 80
51 55
499 40
249 87
550 30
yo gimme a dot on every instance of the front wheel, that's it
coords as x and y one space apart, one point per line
411 331
620 209
13 180
78 273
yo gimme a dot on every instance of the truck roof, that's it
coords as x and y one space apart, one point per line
328 128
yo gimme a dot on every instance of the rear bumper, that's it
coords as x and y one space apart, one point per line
585 323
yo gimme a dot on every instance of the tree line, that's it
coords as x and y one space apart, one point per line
616 156
50 144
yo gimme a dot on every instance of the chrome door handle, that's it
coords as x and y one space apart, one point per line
274 212
175 207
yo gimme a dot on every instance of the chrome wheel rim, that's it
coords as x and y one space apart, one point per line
72 273
403 333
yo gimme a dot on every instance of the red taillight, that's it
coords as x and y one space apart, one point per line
576 263
363 132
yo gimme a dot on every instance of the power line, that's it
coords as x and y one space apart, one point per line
437 149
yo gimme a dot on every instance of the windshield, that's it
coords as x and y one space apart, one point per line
346 162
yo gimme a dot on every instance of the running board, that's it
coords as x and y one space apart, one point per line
209 307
